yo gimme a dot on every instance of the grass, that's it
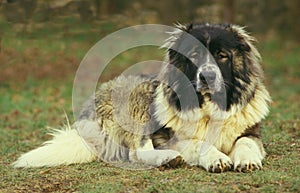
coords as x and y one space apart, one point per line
36 87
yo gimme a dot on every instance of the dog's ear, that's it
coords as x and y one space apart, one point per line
227 26
173 43
244 38
189 27
243 46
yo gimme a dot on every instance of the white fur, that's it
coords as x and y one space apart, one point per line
148 155
196 124
203 154
214 159
66 147
246 155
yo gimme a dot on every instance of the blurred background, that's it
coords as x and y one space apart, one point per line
40 39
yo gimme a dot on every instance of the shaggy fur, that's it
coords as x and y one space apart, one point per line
210 117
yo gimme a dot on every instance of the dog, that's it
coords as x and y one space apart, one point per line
203 109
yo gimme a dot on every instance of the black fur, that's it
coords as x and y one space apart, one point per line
215 38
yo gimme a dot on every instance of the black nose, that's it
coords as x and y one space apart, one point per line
208 76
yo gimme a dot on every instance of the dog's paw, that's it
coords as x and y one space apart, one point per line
246 156
215 161
159 157
220 165
174 163
168 157
245 160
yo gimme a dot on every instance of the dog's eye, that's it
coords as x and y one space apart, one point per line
222 56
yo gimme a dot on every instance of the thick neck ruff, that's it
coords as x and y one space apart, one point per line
246 116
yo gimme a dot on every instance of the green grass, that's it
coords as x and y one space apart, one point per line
29 105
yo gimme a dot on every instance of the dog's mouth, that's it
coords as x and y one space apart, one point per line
210 89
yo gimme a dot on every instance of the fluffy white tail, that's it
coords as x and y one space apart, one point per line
66 147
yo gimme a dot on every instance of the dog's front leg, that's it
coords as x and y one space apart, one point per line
200 153
153 157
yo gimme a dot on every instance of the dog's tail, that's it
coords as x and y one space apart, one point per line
66 147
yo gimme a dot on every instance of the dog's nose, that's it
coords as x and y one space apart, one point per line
208 76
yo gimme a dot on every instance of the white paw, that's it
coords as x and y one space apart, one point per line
215 161
246 160
157 157
246 156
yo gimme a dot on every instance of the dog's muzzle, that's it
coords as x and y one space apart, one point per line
209 77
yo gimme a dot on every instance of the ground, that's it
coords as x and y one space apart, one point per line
37 72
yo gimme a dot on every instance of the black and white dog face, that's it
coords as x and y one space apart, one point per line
220 62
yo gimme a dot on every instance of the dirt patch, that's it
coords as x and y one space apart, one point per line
33 63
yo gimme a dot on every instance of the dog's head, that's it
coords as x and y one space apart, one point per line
219 61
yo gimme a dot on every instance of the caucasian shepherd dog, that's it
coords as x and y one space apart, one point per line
203 109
